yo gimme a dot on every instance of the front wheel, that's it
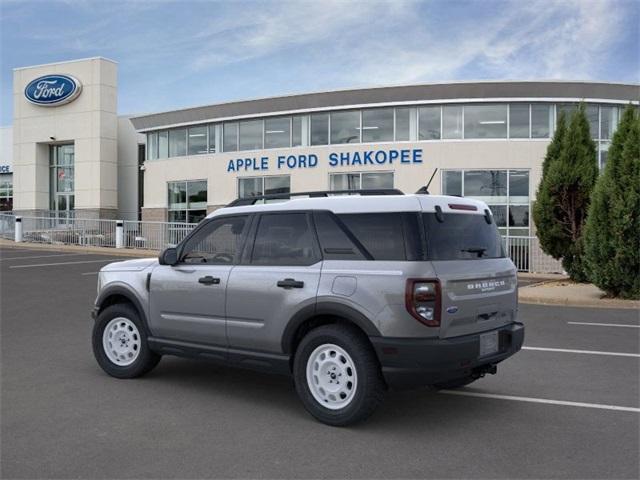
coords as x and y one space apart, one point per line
337 375
120 343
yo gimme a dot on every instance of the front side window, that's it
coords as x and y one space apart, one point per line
230 137
258 186
197 140
320 129
178 142
461 236
403 124
429 123
284 239
345 127
519 120
277 132
217 243
452 121
377 125
187 201
485 121
251 135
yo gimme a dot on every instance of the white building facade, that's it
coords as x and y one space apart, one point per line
485 140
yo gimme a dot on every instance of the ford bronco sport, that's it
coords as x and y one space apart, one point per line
350 295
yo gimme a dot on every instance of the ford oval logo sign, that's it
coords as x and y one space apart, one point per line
53 90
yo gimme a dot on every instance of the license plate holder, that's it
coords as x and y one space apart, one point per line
489 344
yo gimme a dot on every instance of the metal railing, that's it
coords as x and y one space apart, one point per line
154 235
526 254
7 226
69 231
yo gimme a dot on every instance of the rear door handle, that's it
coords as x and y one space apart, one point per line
290 283
209 280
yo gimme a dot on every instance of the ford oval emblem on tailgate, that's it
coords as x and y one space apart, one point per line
453 309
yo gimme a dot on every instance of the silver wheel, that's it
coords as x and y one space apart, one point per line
331 376
121 341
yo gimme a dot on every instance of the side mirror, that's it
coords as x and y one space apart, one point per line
168 256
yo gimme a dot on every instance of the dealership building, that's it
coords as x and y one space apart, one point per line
69 151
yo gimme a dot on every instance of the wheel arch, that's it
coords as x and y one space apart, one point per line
323 313
118 294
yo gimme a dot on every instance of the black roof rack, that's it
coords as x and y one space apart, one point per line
241 202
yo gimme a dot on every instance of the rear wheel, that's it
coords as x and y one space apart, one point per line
120 343
337 375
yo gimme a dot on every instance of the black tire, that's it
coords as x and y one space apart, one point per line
457 383
370 386
146 359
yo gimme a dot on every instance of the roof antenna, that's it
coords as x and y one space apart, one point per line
425 190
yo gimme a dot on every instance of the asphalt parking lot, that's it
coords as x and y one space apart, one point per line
567 406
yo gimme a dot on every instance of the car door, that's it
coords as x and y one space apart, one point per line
278 276
187 300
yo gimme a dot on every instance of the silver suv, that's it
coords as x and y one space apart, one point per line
350 295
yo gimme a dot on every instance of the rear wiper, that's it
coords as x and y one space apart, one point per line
479 250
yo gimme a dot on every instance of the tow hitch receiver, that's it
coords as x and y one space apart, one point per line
481 371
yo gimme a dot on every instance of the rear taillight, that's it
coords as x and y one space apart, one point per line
422 298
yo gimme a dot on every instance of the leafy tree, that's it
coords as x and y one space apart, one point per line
612 233
563 197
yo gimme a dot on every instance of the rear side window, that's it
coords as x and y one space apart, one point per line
461 236
385 236
284 239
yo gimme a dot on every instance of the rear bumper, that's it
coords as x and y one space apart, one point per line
410 363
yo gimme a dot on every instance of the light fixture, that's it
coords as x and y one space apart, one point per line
492 122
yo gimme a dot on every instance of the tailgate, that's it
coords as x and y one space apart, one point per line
477 295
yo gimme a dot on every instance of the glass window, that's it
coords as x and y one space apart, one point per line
251 135
604 152
452 183
218 243
296 131
212 138
452 121
152 146
519 120
230 137
376 180
377 125
249 187
541 120
519 186
608 122
519 216
429 123
334 242
62 179
381 234
257 186
320 129
284 239
278 184
461 236
592 116
499 213
6 192
197 140
487 185
345 127
344 181
403 124
568 109
178 142
187 201
485 121
163 144
277 132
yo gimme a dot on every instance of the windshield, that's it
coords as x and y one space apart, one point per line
461 236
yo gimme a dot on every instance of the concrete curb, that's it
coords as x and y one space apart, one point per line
119 252
528 296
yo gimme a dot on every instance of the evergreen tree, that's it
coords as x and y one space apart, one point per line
612 233
563 198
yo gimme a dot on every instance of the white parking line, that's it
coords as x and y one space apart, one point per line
588 352
41 256
65 263
604 324
541 400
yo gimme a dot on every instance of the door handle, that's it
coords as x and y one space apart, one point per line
209 280
290 283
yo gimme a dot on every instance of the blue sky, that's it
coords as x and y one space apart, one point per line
174 54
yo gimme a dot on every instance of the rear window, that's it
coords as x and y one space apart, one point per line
461 236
